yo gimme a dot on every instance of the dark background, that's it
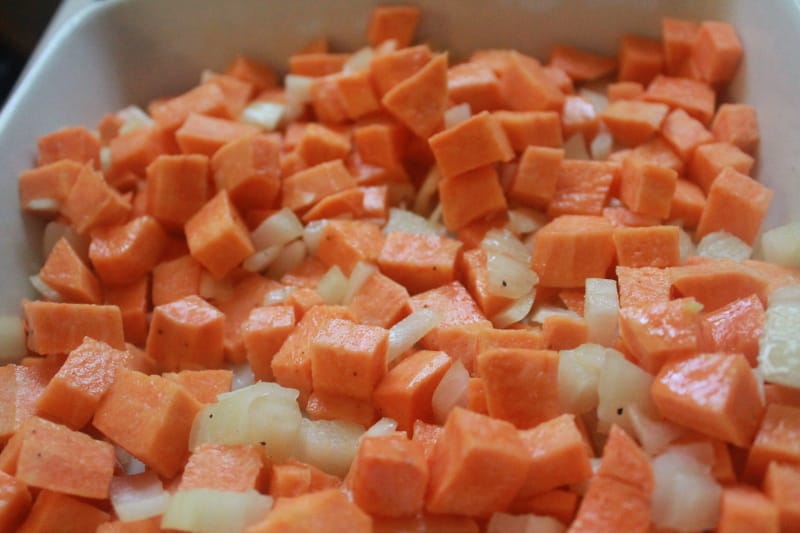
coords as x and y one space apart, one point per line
22 23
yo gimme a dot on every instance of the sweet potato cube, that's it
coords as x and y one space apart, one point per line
389 476
65 272
460 483
535 180
150 417
263 333
203 385
647 189
632 122
380 302
716 52
324 406
55 511
746 509
392 22
776 440
520 385
186 334
419 100
526 86
419 262
226 467
92 202
248 169
709 160
718 283
678 36
781 486
348 358
47 460
640 59
75 143
582 188
126 253
737 124
175 279
476 85
303 189
713 394
571 248
684 133
475 142
59 328
687 203
531 128
72 395
327 509
346 242
470 197
654 246
217 236
43 190
204 135
694 97
15 501
177 187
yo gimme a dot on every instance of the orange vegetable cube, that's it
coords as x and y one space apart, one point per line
684 133
776 440
654 246
186 334
709 160
713 394
737 124
735 328
225 467
527 87
317 64
319 144
175 279
91 202
534 183
526 128
44 189
632 122
252 71
356 94
780 484
562 332
476 85
475 142
323 406
177 187
346 242
419 100
15 501
716 52
248 169
476 278
206 99
745 509
582 188
694 97
60 328
381 144
624 90
733 192
327 509
397 23
419 262
678 36
66 273
460 483
380 302
303 189
294 478
125 253
149 416
640 59
75 143
581 65
263 333
201 134
718 283
53 510
348 358
646 188
471 196
642 286
687 203
391 68
217 236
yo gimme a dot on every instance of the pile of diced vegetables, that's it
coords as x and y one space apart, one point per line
404 292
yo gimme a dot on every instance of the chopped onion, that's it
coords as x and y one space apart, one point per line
601 145
138 497
451 391
578 374
406 333
312 234
290 257
133 118
278 296
386 47
105 159
428 191
43 206
601 310
404 221
456 115
259 261
384 426
575 147
298 88
723 245
436 215
358 276
782 244
12 339
212 288
509 277
330 445
274 423
44 289
242 376
524 220
685 244
515 312
54 231
503 242
598 98
654 435
619 385
215 511
779 345
277 230
266 115
332 286
685 494
358 61
130 464
504 522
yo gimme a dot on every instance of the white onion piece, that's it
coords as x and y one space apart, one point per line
685 494
543 311
386 47
456 115
54 231
654 435
43 206
508 277
598 98
406 333
312 234
138 497
130 464
515 312
428 191
685 244
524 220
436 215
215 511
105 159
259 261
504 242
12 339
267 115
358 60
601 310
578 374
242 376
212 288
133 118
779 345
358 276
451 391
404 221
44 289
290 257
332 286
504 522
601 145
782 244
723 245
381 428
274 422
277 230
619 385
575 147
278 296
298 88
330 445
